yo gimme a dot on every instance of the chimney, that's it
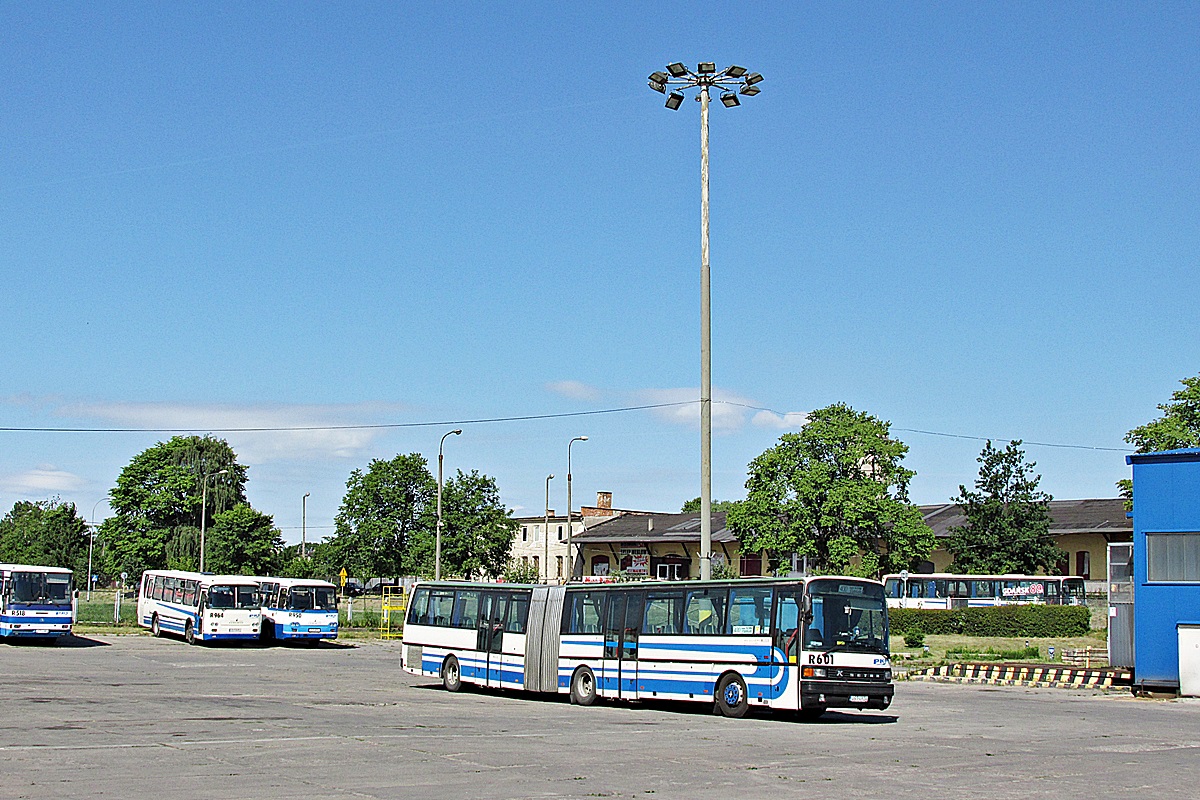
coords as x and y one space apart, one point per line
650 524
603 499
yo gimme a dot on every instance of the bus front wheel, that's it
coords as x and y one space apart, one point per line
732 699
451 675
189 633
155 630
583 687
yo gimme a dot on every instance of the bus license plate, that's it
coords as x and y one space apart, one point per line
314 630
859 698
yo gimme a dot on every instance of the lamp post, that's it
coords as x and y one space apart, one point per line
204 510
437 547
304 525
705 77
546 531
91 542
570 548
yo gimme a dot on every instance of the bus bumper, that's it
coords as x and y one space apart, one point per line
843 694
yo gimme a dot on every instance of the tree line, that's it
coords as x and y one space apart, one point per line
835 492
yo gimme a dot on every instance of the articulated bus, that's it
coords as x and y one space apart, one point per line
35 602
201 606
942 590
801 645
299 609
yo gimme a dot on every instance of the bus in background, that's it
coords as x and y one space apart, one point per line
35 602
941 590
298 609
200 606
802 645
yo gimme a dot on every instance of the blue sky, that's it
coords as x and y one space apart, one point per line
967 219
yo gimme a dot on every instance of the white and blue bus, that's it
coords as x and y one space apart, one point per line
943 590
35 602
200 606
298 609
803 645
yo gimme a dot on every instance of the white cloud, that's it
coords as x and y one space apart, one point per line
46 479
254 446
574 390
728 409
791 421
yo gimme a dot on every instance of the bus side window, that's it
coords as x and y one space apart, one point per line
787 625
518 613
466 608
419 609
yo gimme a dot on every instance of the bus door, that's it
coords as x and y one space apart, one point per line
490 637
787 640
622 623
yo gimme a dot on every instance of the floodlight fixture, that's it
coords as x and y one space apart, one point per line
658 86
659 77
735 72
677 70
706 68
674 100
750 91
753 78
730 100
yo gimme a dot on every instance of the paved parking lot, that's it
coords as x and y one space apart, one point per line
134 717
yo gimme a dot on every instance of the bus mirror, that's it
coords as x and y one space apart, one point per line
807 608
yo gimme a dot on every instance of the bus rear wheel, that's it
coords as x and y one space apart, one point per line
451 675
583 687
732 699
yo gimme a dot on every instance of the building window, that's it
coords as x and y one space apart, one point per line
559 560
524 533
536 568
600 565
1173 557
751 564
1083 564
560 533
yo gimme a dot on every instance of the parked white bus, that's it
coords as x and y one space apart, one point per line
300 609
942 590
35 602
201 606
802 645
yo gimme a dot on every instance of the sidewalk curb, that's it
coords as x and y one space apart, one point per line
1040 676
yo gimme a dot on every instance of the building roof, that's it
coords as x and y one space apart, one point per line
655 528
1104 516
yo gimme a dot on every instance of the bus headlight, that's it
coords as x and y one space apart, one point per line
812 672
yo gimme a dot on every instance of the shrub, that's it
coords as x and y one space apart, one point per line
914 639
1038 621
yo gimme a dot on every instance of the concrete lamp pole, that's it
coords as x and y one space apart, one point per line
204 511
705 77
304 525
570 544
437 547
546 532
91 543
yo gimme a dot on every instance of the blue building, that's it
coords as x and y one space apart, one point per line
1166 562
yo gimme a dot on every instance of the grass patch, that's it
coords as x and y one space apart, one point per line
940 649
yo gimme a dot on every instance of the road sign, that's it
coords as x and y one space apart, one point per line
342 575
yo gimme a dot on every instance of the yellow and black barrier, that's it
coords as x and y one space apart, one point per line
1032 675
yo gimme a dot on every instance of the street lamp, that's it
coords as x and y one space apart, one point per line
437 547
705 77
91 542
203 511
546 531
570 550
304 524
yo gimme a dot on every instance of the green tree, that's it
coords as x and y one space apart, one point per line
46 533
1177 428
693 506
243 541
477 530
835 491
384 509
1008 518
157 502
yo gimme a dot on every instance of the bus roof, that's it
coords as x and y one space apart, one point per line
1010 576
290 582
33 568
654 584
208 578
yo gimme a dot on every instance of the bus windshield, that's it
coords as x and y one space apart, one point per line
225 596
51 588
847 616
312 598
